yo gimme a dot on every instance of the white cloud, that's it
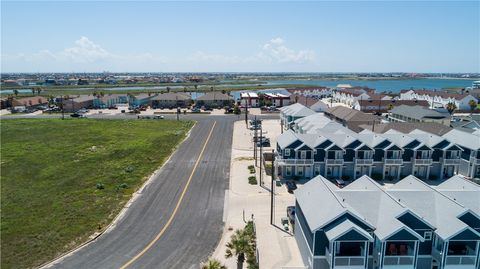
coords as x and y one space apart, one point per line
276 49
85 51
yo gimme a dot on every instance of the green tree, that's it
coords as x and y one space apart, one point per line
15 92
168 89
33 91
472 105
39 90
451 107
390 107
213 264
242 245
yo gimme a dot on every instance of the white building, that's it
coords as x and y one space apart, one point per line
439 98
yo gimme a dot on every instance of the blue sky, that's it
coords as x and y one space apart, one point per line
359 36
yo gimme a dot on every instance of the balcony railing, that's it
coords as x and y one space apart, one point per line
398 260
334 161
451 161
294 161
393 161
422 161
363 161
460 260
349 261
474 160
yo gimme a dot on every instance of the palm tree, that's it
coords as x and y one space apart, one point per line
168 89
33 91
15 92
211 88
242 245
472 105
196 87
451 107
39 90
184 89
213 264
390 107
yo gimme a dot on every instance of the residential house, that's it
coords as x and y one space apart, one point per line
75 103
321 92
407 127
404 113
363 225
110 101
319 106
351 118
336 152
171 100
439 98
383 106
349 95
250 99
214 99
277 99
289 114
470 156
29 102
144 99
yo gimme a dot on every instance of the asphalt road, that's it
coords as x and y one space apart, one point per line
197 226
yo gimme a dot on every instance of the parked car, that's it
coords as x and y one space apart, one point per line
291 214
195 110
255 126
82 110
291 186
340 183
264 142
158 117
77 115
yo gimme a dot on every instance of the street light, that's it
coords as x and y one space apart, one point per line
271 187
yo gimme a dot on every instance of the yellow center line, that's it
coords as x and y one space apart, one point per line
176 206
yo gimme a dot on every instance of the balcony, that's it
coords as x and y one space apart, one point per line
451 161
294 161
474 161
399 261
460 260
422 161
393 161
350 262
364 161
334 161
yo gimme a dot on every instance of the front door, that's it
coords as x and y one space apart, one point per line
420 171
363 170
300 171
336 171
391 172
448 171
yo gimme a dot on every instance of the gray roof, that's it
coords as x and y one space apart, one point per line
380 207
463 191
343 228
286 138
297 110
319 106
418 112
463 139
215 96
172 96
432 205
407 127
83 98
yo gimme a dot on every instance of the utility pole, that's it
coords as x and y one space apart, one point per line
271 187
63 111
255 139
261 153
246 114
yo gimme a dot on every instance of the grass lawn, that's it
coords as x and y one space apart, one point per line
51 177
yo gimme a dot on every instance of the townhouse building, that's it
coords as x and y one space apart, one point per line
349 96
470 155
277 99
315 146
250 99
171 100
289 114
439 98
409 225
383 106
321 92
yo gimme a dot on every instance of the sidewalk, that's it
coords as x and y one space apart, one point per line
277 248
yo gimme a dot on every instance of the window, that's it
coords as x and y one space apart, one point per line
338 154
286 152
303 154
427 236
401 248
350 249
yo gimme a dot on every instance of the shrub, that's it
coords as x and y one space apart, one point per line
100 186
251 167
123 186
129 169
252 180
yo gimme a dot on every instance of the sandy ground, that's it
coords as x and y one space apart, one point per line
277 248
4 112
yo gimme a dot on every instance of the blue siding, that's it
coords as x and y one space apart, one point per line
303 222
378 155
466 235
321 242
471 220
402 235
413 222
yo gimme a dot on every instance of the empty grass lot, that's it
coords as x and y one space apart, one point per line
52 174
